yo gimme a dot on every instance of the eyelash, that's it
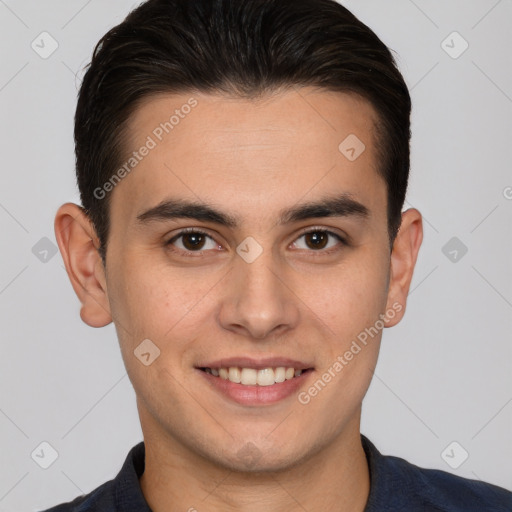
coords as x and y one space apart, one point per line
302 233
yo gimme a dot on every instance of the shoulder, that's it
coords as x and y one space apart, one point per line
444 491
122 493
410 488
100 499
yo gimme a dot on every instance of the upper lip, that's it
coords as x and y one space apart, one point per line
258 364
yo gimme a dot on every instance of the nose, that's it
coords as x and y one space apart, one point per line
259 300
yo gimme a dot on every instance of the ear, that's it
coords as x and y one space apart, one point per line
78 244
403 259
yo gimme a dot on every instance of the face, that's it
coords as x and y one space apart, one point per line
261 279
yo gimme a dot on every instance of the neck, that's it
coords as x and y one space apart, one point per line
335 478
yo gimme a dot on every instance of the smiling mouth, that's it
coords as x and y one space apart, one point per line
257 377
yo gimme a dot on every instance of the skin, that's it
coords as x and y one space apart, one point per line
249 158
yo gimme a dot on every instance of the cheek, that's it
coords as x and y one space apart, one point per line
146 307
150 312
153 301
350 296
351 308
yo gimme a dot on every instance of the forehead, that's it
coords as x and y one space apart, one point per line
272 150
297 114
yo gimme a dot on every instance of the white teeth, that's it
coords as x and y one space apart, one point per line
249 376
234 375
280 374
252 377
266 377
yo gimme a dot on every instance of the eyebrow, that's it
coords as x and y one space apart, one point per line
332 206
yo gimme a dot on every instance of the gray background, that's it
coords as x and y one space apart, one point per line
445 372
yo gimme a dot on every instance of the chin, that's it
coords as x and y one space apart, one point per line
252 460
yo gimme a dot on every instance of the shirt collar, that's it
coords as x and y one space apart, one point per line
128 493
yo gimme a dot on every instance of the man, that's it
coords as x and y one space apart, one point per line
243 166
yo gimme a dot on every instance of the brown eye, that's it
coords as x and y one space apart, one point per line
318 240
192 241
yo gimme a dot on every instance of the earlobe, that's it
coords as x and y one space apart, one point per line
403 260
78 245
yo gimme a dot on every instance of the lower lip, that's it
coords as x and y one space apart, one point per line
256 395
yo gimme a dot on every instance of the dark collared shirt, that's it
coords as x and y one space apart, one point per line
396 486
